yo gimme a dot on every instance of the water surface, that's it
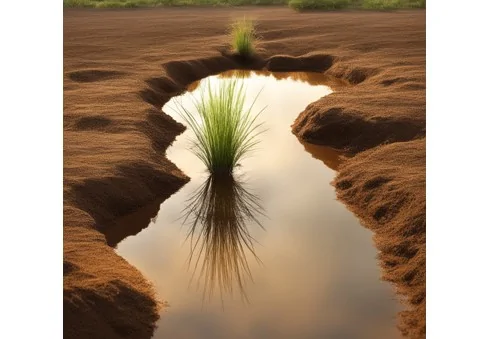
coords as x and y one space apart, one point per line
274 254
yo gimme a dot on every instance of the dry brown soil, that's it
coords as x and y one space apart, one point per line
121 66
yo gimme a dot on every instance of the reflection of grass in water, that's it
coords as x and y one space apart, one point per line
225 131
218 212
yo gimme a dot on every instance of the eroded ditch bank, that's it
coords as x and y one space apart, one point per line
95 273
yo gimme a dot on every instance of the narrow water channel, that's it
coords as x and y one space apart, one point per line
282 258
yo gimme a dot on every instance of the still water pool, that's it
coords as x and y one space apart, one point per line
280 257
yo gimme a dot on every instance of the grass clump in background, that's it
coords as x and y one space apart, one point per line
331 5
414 3
301 5
381 4
243 37
393 4
111 3
168 3
225 131
78 3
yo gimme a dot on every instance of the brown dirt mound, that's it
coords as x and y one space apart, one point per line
103 296
381 108
385 188
115 135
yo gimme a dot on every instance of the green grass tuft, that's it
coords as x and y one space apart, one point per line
167 3
301 5
79 3
415 4
243 37
381 4
225 131
392 4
